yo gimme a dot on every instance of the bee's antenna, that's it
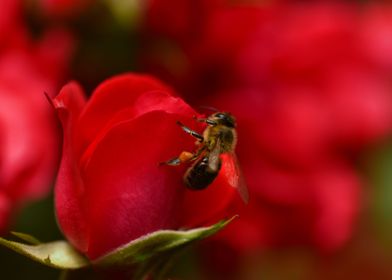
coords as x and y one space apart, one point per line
213 109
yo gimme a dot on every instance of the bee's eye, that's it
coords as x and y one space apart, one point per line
220 116
225 119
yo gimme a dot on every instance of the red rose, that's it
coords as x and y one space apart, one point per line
110 188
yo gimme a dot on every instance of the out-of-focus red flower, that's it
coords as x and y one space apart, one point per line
310 90
315 207
29 148
375 30
62 8
180 20
9 19
110 188
28 153
13 30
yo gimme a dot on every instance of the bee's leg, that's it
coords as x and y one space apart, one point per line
191 132
183 157
207 121
198 153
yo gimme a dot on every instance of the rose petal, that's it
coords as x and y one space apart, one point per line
211 204
147 102
124 180
69 187
111 97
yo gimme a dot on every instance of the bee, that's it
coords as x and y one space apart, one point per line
219 137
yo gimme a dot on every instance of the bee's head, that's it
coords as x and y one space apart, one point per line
224 118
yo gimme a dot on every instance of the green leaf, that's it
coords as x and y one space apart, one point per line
157 243
57 254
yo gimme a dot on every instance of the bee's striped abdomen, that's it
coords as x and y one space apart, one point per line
199 175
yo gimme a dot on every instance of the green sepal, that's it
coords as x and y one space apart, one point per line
156 243
57 254
150 254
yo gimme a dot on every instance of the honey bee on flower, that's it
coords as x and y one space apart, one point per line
219 137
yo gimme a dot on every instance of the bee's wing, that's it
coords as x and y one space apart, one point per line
213 158
232 170
235 176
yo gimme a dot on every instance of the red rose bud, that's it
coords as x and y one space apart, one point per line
111 189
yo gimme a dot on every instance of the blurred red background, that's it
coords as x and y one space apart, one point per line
309 83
